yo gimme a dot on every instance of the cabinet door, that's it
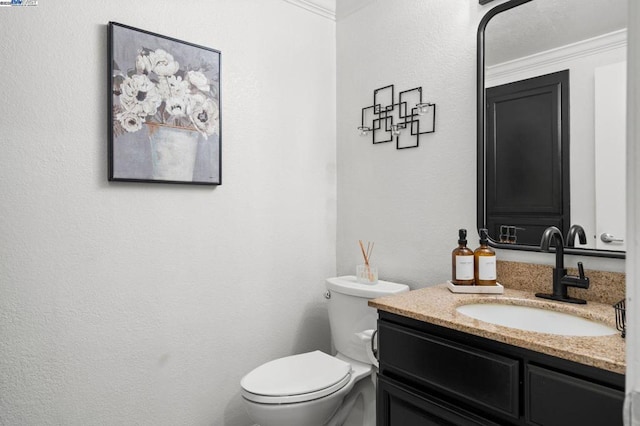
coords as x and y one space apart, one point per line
398 405
554 398
474 376
527 156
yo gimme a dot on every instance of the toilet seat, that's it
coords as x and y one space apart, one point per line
296 378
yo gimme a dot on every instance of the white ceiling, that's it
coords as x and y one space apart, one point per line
332 9
542 25
325 8
345 8
527 29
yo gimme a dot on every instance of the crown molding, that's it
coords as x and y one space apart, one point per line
324 8
577 50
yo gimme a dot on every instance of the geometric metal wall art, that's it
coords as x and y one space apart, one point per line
409 117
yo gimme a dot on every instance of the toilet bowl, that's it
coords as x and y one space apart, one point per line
315 388
303 390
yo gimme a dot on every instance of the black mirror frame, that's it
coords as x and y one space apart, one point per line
481 111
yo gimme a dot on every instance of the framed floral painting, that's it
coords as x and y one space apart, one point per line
164 109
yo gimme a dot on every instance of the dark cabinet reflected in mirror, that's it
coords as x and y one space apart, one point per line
527 158
551 123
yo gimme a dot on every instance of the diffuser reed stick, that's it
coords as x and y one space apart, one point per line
367 256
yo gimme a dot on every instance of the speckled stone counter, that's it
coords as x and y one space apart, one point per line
605 287
437 305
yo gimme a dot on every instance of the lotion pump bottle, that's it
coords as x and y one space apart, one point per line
462 272
485 261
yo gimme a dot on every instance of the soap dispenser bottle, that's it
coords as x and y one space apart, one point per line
462 272
485 261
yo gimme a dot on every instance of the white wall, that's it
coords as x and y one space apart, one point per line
412 202
145 304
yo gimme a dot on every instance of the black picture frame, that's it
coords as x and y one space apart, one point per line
164 112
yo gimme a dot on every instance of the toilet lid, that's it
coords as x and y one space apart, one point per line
296 378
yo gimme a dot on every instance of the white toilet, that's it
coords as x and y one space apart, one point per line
317 389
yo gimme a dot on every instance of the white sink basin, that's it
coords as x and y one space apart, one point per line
535 319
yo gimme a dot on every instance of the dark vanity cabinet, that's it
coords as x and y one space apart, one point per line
431 375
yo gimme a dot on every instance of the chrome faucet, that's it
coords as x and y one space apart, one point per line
561 281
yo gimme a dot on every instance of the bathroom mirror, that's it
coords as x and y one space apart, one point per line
521 40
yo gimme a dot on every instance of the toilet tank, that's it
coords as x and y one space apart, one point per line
349 312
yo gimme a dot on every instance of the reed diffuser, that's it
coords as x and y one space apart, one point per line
366 273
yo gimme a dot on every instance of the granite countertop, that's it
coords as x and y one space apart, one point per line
437 305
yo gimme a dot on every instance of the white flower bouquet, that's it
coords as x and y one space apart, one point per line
157 91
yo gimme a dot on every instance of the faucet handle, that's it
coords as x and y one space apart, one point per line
580 281
581 270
